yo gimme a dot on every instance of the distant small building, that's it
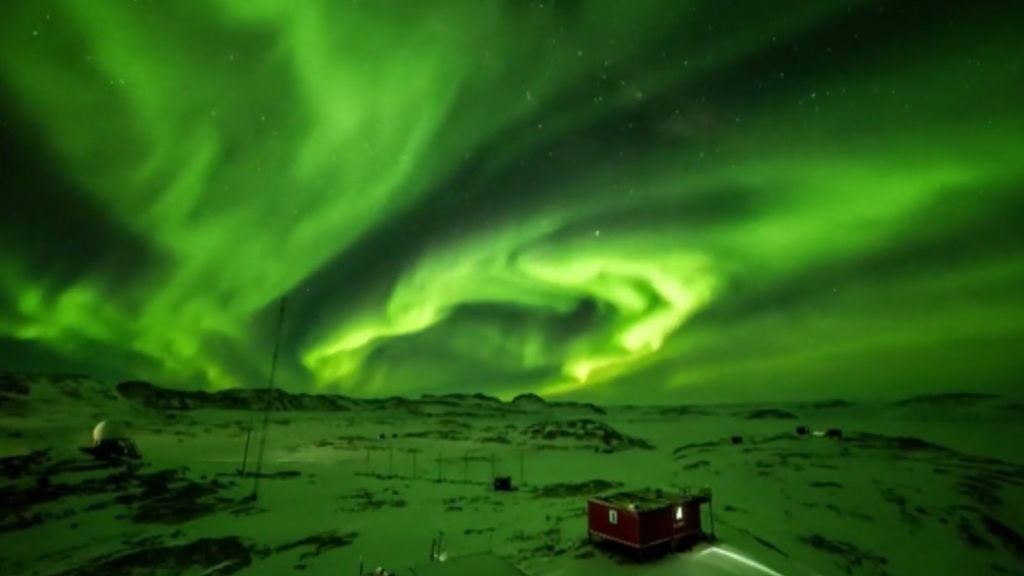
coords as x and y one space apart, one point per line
502 483
645 519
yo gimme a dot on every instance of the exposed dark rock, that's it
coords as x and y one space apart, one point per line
1007 536
681 411
279 475
982 488
699 446
897 443
437 434
14 467
215 556
970 536
168 497
849 556
590 433
364 500
319 543
769 545
581 406
453 423
162 497
567 489
841 512
13 384
697 464
898 500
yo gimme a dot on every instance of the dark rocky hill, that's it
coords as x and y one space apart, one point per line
159 398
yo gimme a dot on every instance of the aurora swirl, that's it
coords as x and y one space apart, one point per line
623 201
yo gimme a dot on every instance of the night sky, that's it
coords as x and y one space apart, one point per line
621 201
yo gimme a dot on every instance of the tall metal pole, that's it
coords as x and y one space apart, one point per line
266 407
245 452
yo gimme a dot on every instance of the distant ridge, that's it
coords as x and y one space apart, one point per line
528 398
947 399
22 388
155 397
20 383
768 414
159 398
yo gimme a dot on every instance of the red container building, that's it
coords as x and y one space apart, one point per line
643 519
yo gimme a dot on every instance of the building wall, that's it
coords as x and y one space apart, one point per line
691 519
626 530
656 525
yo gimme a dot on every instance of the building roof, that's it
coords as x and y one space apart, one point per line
646 498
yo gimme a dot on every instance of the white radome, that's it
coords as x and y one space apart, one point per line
107 430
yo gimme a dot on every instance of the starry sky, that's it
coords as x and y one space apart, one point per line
627 201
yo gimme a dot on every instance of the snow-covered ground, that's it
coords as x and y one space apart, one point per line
931 486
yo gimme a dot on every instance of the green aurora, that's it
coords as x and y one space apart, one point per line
622 201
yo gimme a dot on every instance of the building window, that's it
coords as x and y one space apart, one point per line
613 516
679 513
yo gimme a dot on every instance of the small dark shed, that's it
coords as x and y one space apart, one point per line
113 449
643 519
502 483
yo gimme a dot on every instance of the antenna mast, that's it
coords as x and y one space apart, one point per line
267 404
